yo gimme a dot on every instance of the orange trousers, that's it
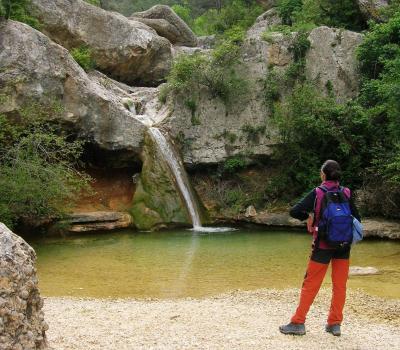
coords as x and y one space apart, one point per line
312 282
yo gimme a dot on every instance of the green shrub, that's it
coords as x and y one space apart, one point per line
239 13
183 12
287 10
83 56
234 164
18 10
216 72
38 176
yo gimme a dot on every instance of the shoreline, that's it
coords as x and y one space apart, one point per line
235 320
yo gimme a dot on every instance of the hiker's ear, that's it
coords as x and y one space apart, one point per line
323 176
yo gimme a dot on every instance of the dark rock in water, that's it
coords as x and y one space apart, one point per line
167 24
22 325
127 50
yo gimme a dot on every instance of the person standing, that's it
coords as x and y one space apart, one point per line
323 252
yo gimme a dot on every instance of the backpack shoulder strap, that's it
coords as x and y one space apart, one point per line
323 188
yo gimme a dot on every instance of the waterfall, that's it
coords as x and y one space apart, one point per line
180 175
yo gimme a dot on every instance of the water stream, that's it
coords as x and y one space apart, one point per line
180 175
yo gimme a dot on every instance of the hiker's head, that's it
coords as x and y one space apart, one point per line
330 170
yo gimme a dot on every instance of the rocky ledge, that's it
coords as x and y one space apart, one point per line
373 227
96 221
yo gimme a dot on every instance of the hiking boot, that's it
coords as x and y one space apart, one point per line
293 328
334 329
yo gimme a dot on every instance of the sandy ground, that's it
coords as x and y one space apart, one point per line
239 320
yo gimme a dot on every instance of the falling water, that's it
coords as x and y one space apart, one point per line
179 174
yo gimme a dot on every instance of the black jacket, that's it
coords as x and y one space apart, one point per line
306 206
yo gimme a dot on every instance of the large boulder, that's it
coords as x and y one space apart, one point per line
33 70
331 61
22 325
370 9
124 49
167 24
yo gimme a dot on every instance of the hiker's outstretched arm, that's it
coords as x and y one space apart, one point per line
302 209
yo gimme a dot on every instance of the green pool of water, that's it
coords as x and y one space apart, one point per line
180 264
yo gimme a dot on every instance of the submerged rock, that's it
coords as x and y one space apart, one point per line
167 24
36 71
363 271
22 325
127 50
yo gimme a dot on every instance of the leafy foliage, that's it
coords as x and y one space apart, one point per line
215 72
18 10
83 56
333 13
38 177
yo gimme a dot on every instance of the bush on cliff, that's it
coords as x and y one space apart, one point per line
38 176
215 72
18 10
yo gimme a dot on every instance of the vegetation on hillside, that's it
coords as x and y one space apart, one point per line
363 134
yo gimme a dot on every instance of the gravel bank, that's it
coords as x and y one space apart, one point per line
239 320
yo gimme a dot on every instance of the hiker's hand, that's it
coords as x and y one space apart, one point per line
310 223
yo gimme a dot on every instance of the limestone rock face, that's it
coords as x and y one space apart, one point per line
22 325
124 49
167 24
331 61
370 8
33 69
156 200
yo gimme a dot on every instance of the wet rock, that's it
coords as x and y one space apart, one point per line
22 324
331 61
124 49
167 24
96 221
156 200
35 70
363 271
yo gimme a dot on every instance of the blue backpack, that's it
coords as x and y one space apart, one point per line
336 221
